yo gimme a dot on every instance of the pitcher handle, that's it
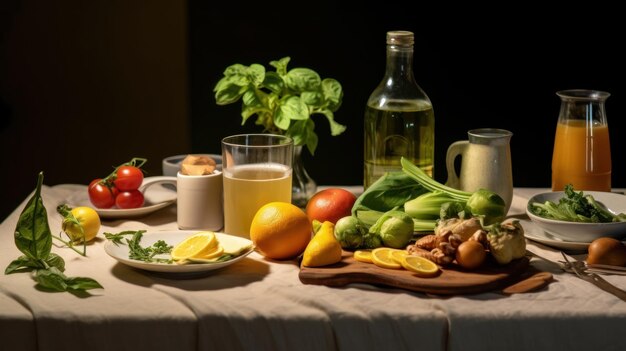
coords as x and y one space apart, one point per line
454 150
148 182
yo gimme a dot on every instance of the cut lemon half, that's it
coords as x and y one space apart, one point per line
398 255
419 265
197 245
363 256
382 258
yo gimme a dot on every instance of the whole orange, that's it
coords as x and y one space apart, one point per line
330 205
280 230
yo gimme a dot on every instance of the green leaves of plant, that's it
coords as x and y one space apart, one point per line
34 239
283 100
32 233
302 79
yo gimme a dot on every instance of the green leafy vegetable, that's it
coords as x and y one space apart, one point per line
390 191
136 251
34 239
576 207
482 203
283 101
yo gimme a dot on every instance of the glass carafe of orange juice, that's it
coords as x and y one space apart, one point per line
582 151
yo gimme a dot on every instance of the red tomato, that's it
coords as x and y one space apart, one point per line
128 178
101 195
129 199
330 205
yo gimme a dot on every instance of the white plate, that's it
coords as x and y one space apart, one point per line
535 233
156 197
120 252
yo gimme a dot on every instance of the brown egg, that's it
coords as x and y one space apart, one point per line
607 251
470 254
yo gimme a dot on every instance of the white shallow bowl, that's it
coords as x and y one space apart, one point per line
171 164
581 232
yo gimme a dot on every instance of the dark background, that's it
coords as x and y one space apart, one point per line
84 87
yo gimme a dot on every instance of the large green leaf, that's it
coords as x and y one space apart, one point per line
302 79
226 91
390 191
273 82
312 98
290 108
32 233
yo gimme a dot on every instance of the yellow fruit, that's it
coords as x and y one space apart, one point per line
217 252
382 257
280 230
398 255
198 245
363 256
89 224
323 249
421 266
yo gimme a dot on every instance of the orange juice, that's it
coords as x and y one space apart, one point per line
582 157
247 188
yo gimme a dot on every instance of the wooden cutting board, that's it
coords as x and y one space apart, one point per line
453 280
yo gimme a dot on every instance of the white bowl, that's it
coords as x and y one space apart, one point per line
577 231
171 164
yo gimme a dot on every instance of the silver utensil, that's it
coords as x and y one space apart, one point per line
579 269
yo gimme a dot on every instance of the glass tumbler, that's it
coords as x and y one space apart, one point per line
257 170
582 151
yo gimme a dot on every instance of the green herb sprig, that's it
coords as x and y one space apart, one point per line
136 251
34 239
283 101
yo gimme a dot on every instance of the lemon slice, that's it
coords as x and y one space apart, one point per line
216 252
419 265
197 245
398 255
363 256
382 258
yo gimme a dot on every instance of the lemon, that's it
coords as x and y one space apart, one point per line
323 249
382 257
363 256
421 266
398 255
198 245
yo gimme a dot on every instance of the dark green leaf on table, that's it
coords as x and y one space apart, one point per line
34 239
23 264
32 233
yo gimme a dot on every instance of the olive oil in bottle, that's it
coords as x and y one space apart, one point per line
399 117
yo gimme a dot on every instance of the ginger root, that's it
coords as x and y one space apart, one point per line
197 165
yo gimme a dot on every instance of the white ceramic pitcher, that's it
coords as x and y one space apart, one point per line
485 163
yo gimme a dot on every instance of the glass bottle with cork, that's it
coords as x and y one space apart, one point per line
399 117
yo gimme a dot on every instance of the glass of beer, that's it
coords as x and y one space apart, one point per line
582 151
256 170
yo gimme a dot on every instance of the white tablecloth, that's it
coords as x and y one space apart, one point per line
259 304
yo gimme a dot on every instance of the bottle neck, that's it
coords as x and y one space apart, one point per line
400 62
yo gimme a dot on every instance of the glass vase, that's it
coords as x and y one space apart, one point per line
303 186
